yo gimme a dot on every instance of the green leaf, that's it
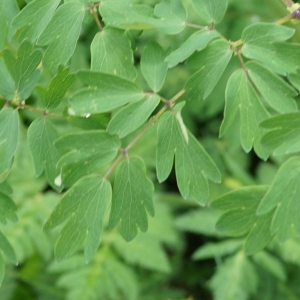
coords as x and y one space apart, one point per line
153 66
33 18
217 250
7 84
132 116
193 165
240 217
9 131
211 63
54 94
284 195
283 137
83 207
241 96
105 93
197 41
61 34
266 32
294 79
273 88
235 279
7 209
2 268
23 68
132 197
84 153
211 11
7 249
8 9
5 188
41 136
111 53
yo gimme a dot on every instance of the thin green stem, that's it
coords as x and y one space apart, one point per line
40 111
194 25
288 3
284 19
95 15
124 152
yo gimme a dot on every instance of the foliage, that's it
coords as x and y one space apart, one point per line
120 120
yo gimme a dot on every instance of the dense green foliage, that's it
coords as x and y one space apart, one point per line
149 149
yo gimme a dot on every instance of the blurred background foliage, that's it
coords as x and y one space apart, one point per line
182 256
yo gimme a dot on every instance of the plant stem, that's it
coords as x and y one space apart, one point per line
194 25
95 15
284 19
288 2
167 105
40 111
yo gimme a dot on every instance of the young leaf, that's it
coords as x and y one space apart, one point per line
105 93
33 18
61 34
197 41
153 66
7 84
9 131
211 11
132 116
7 249
235 279
41 136
7 209
54 94
23 68
211 63
283 137
111 53
84 153
193 165
83 207
240 217
284 196
240 96
132 197
273 88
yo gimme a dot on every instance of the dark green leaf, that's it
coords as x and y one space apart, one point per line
240 217
83 207
240 96
197 41
211 63
111 53
132 197
2 268
84 153
132 116
7 249
61 34
284 195
153 66
105 93
7 85
7 209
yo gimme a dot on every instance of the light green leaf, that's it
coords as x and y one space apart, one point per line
7 249
7 209
273 88
5 188
8 9
54 94
144 251
235 279
217 250
83 207
41 136
61 34
132 197
240 96
211 63
283 137
9 131
132 116
2 268
284 196
211 11
153 66
33 18
84 153
193 165
266 32
294 79
111 53
240 217
23 68
105 93
197 41
7 84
